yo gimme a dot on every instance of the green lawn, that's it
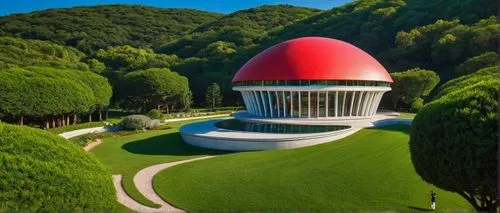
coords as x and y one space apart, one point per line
370 170
129 154
407 115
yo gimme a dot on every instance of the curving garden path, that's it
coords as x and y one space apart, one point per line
143 181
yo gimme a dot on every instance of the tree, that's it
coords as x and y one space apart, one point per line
411 85
476 63
213 96
155 88
466 80
453 143
128 58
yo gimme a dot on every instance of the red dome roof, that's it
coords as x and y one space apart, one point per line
313 58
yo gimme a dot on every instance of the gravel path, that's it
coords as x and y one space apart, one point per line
143 181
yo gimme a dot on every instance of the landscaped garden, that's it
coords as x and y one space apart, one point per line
370 170
76 68
129 154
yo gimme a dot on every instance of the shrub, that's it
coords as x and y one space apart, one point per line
417 105
135 122
154 124
42 172
453 143
155 114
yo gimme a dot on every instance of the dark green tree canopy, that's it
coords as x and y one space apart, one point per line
92 28
466 80
24 52
43 92
156 87
411 85
242 28
476 63
453 143
127 58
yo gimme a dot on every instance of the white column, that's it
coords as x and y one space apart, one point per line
359 102
368 103
376 103
270 103
252 103
284 105
343 105
255 103
264 104
309 104
278 103
326 104
352 103
336 102
245 99
300 104
259 111
291 104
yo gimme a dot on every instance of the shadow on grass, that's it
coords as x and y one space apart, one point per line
167 144
419 209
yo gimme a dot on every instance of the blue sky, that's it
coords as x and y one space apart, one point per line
220 6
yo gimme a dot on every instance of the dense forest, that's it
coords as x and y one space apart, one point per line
92 28
132 45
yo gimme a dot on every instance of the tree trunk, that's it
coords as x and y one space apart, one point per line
63 120
21 120
74 118
100 114
53 122
67 120
158 106
47 123
90 116
106 114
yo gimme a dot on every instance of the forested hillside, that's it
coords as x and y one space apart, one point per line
451 38
92 28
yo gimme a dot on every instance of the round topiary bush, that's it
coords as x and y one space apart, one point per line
155 114
154 123
135 122
40 171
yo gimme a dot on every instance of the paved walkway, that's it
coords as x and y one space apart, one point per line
143 181
194 118
92 144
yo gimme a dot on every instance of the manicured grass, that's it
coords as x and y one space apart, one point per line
127 155
370 170
407 114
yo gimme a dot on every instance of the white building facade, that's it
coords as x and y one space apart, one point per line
312 99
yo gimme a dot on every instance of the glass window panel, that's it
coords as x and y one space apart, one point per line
322 104
314 104
331 104
303 104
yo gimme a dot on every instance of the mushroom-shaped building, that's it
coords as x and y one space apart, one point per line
312 77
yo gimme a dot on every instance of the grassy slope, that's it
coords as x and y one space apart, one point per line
129 154
369 170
